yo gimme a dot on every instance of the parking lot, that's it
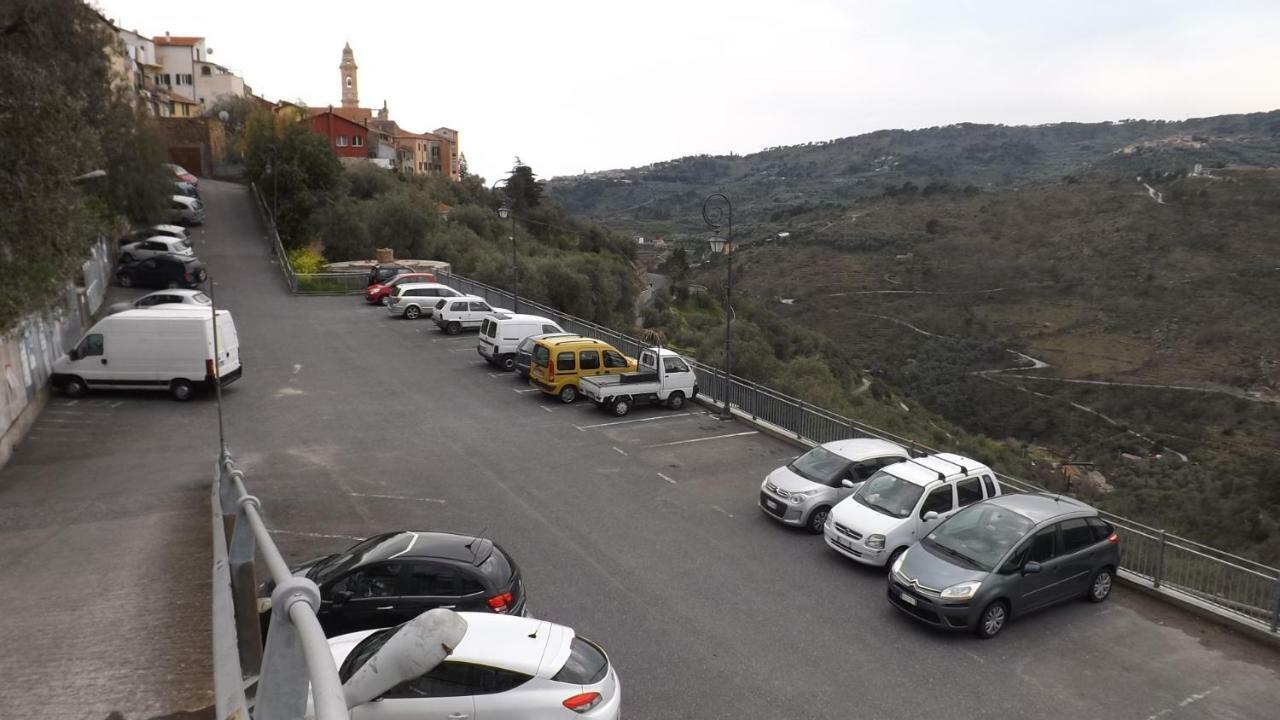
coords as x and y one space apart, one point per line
641 533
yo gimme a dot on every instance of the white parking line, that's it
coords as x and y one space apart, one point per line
721 510
619 450
524 390
397 497
694 440
70 403
463 350
585 428
547 408
451 339
497 375
316 535
664 477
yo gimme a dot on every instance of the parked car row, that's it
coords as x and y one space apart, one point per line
963 553
159 256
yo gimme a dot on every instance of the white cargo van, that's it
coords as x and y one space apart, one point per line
502 332
153 349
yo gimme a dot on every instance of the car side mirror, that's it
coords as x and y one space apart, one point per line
930 516
847 483
417 647
1031 568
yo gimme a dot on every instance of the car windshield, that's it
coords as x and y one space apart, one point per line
979 536
379 545
889 494
820 465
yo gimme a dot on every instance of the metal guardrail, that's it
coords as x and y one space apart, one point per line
1236 587
307 283
296 662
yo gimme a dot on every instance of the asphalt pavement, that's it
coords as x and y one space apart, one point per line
641 533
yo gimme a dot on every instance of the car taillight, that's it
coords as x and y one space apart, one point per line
1113 538
186 276
583 702
551 371
499 603
208 367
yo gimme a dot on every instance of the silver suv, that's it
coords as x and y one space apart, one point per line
803 491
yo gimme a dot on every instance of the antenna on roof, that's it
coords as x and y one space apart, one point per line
941 476
475 550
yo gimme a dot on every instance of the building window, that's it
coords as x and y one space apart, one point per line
348 81
205 70
342 141
357 141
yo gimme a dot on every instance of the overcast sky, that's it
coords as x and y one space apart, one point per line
574 86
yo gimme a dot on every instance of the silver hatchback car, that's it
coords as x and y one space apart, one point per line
803 491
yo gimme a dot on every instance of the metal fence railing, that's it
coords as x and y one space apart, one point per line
1236 587
296 663
352 283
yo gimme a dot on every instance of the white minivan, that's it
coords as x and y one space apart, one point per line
153 349
501 334
904 502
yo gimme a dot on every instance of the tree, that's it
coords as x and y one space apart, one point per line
294 168
523 187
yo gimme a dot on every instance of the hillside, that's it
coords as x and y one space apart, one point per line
1140 294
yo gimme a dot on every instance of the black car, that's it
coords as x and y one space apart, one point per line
162 271
383 272
391 578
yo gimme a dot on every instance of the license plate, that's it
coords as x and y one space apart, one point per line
773 505
907 599
842 542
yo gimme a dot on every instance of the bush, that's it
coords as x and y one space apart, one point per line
306 260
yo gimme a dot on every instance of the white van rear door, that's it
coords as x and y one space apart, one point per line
228 344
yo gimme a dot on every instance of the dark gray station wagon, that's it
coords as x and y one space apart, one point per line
1003 557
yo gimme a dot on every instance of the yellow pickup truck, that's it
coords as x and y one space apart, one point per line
556 364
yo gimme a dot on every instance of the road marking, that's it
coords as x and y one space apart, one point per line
694 440
1188 700
397 497
664 477
585 428
721 510
463 350
117 404
522 391
547 408
452 339
314 535
70 403
296 368
289 391
497 375
619 450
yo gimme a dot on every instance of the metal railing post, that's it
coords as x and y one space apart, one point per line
1275 608
244 588
1159 573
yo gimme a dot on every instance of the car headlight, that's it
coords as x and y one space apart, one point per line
961 591
802 495
875 541
897 564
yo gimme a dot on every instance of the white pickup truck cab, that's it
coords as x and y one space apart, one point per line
902 503
661 376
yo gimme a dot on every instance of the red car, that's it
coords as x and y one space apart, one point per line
182 175
377 293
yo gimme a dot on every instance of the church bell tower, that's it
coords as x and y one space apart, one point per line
350 87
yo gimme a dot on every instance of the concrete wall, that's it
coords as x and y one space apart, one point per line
29 349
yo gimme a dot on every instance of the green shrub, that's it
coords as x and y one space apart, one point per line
306 260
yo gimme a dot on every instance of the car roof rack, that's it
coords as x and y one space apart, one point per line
963 469
941 475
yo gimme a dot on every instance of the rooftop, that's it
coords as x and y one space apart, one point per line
178 40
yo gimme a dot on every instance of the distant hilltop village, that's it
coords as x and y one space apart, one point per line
176 81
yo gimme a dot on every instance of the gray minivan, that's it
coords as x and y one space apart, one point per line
1002 557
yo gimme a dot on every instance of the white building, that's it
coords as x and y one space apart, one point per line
187 70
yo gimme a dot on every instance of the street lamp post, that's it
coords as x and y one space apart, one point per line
715 208
505 210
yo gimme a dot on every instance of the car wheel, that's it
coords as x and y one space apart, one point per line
993 620
818 518
74 387
568 394
413 312
675 400
621 406
127 257
453 328
1100 586
893 558
125 280
508 363
181 390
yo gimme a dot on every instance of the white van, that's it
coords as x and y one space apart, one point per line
902 503
153 349
501 334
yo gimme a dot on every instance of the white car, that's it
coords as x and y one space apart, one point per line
505 668
904 502
414 300
155 245
802 492
165 299
464 312
186 210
